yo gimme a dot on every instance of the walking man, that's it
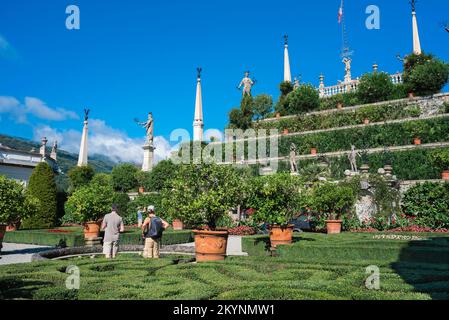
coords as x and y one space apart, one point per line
152 230
112 226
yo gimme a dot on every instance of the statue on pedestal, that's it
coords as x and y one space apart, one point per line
353 159
149 127
247 83
86 114
293 166
347 62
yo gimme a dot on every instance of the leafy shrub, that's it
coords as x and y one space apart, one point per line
428 204
429 78
15 203
374 87
80 177
121 199
275 198
441 158
286 87
90 203
331 200
305 98
201 194
124 177
42 186
413 60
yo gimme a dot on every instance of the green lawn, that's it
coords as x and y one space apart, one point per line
316 266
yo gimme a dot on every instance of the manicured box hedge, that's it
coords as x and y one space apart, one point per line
45 238
76 239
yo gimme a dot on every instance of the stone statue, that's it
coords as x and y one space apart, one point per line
293 165
347 62
86 114
353 159
247 84
149 127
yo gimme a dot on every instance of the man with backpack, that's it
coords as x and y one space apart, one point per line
152 230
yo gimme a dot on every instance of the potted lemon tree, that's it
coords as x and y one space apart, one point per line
330 201
200 195
15 205
88 205
276 199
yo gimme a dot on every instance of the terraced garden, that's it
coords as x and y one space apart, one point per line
316 266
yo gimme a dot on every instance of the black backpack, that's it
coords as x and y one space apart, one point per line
155 229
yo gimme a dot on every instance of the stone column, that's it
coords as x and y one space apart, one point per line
148 158
82 158
287 71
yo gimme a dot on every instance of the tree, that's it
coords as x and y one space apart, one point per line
201 194
304 99
124 177
262 106
161 174
102 179
285 87
80 177
413 60
42 186
242 118
15 203
89 203
374 87
428 78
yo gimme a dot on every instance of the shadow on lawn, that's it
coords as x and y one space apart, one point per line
267 243
424 264
14 288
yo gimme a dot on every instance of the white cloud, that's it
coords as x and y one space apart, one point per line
18 111
104 140
39 109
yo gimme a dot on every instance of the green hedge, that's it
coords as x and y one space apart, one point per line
169 237
76 239
45 238
407 165
343 118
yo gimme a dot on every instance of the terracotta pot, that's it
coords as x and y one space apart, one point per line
313 151
278 115
281 235
417 141
210 245
91 230
285 131
339 105
141 189
333 226
366 121
178 224
11 228
445 175
411 95
2 234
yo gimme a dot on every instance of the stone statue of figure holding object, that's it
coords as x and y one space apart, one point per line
293 164
353 159
149 127
247 83
86 114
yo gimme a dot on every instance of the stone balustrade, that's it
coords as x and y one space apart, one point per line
351 86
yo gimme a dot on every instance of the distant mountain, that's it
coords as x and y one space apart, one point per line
66 160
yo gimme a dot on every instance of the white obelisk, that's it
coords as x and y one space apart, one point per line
416 41
82 158
287 71
198 124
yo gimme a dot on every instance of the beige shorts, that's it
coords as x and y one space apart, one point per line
110 249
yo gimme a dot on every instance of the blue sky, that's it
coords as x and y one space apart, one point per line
132 57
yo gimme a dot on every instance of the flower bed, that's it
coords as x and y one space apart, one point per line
242 231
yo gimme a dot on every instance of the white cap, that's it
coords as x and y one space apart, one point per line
150 208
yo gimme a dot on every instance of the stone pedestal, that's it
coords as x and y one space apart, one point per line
92 242
148 158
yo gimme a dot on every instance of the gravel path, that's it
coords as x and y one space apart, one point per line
13 253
